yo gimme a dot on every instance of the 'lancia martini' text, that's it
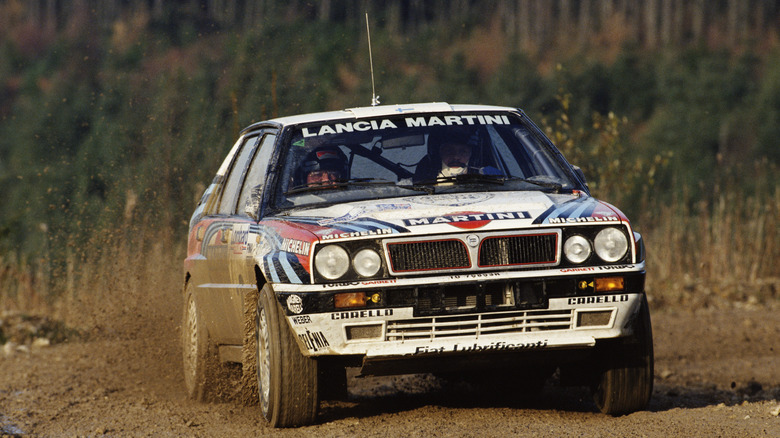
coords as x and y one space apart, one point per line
408 122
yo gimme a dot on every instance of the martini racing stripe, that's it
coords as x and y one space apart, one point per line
585 210
284 267
581 208
357 225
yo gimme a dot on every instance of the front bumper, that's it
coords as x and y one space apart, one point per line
563 317
396 332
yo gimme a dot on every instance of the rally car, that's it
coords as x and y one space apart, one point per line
450 239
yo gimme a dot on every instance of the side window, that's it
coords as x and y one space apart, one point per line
257 170
227 205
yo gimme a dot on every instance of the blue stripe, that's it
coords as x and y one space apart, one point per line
359 224
379 225
288 269
581 211
271 269
542 218
562 212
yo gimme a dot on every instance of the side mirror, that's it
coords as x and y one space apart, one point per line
252 206
580 175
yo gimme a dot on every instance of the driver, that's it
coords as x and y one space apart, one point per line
451 153
456 160
323 167
455 157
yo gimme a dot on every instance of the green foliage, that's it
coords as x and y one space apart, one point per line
98 135
457 82
768 111
632 84
612 170
699 96
517 83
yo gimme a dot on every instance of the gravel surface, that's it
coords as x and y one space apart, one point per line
717 374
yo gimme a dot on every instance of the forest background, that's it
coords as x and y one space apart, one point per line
114 114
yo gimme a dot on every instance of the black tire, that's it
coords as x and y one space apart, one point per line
199 358
286 379
624 382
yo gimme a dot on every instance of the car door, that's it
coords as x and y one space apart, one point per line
218 296
244 232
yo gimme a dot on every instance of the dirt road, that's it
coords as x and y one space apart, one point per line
717 374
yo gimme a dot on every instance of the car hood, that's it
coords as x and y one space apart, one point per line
445 213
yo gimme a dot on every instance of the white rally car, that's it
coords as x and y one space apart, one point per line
452 239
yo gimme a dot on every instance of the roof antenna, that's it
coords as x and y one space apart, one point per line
374 97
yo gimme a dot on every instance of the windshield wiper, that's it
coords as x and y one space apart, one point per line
419 188
490 179
466 178
338 185
557 187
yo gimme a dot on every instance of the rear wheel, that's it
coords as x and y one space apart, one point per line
200 362
624 382
286 379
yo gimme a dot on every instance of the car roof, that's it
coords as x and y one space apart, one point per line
378 111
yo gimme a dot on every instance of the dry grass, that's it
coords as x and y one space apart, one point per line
716 253
122 290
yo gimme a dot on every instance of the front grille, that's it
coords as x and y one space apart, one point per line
474 251
518 250
480 324
428 255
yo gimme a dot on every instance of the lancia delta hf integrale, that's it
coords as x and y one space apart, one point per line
451 239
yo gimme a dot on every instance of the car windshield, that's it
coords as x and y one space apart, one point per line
347 160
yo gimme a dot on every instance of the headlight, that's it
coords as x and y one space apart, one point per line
577 249
332 262
367 262
611 244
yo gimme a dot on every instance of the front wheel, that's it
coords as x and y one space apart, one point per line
286 379
624 383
